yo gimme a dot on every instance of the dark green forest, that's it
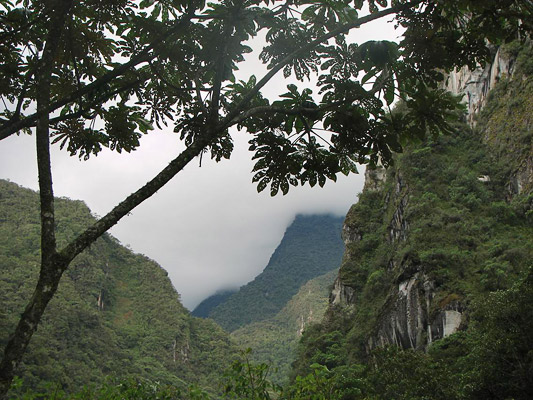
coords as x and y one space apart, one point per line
472 237
275 339
116 313
464 227
203 309
311 246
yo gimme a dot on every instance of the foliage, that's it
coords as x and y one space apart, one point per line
509 108
92 74
311 246
171 49
102 321
502 342
274 340
203 309
131 389
492 360
245 380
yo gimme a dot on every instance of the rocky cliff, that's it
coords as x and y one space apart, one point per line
451 221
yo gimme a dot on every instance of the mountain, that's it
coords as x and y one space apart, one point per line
311 246
274 341
116 313
438 257
203 309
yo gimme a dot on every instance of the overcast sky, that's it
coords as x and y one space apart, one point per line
209 228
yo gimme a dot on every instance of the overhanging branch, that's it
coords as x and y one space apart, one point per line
324 38
145 55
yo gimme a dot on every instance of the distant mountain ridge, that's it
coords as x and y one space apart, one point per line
311 246
116 313
203 309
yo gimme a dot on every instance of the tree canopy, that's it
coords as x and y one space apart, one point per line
91 74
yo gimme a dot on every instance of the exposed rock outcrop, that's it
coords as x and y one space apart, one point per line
475 85
374 178
399 226
406 319
421 306
341 294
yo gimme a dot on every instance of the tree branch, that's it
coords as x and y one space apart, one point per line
341 29
127 205
144 55
302 110
99 100
50 272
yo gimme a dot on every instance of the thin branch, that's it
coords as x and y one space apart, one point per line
229 119
83 110
5 35
177 88
123 208
321 138
296 111
219 75
144 55
199 97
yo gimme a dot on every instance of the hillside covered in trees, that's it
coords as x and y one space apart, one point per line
274 340
116 313
434 298
310 247
434 294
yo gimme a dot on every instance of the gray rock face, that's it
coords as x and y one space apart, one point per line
350 234
399 226
406 321
374 178
476 85
414 314
522 179
341 294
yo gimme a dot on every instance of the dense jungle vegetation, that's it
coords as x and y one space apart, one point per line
472 236
94 74
116 312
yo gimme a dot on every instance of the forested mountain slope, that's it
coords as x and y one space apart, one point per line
116 312
439 259
274 341
203 309
311 246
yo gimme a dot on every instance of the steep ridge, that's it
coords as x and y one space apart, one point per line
311 246
203 309
435 236
116 312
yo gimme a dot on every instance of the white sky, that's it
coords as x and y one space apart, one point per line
209 228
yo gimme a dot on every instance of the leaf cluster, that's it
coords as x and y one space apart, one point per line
123 68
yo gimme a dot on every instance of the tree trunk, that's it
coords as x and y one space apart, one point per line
51 270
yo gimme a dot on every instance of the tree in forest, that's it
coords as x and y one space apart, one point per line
91 74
